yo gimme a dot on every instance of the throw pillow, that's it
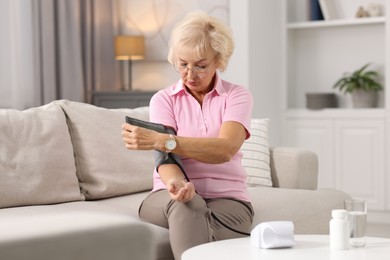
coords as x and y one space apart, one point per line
256 155
36 158
105 167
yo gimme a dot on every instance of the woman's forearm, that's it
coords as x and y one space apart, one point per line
207 150
212 150
168 172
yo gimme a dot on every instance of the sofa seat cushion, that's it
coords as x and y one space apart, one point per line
118 209
37 165
309 210
130 204
74 231
105 168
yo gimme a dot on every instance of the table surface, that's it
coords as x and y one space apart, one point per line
306 247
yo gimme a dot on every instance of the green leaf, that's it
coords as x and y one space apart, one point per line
359 79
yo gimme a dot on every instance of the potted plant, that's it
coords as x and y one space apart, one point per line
363 86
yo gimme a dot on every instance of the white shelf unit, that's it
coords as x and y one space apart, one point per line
352 144
318 54
335 23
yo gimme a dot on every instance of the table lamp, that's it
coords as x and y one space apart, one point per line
129 48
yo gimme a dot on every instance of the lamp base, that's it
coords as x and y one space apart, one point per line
126 88
127 79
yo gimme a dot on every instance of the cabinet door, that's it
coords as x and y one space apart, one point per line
359 160
316 136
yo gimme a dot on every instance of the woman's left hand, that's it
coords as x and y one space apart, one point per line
180 190
139 138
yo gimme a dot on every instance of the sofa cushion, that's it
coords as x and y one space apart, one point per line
36 158
309 210
105 167
256 154
74 231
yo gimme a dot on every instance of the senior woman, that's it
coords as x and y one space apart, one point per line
211 118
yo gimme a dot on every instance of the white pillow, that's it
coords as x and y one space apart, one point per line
256 156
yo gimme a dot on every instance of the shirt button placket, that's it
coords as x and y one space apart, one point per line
204 116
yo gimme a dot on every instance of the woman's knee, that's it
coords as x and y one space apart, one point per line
196 206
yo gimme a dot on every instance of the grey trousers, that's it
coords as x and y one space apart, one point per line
197 221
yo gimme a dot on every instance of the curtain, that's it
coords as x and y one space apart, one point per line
73 48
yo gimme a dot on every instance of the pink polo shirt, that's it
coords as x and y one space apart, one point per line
174 106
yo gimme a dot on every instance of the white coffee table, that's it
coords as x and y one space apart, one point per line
308 247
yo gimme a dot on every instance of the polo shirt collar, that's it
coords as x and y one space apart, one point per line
218 87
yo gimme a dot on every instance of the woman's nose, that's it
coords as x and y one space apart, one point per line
190 73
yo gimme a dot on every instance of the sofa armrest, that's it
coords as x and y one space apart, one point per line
294 168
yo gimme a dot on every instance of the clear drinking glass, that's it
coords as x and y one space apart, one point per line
357 216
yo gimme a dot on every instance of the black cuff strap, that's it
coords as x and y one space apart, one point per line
160 158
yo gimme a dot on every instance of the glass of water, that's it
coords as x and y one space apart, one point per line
357 216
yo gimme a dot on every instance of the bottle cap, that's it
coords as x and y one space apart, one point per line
339 213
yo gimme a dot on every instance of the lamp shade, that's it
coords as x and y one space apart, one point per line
129 47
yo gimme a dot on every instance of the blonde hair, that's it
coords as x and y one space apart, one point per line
202 34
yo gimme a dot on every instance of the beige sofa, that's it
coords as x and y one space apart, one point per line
69 189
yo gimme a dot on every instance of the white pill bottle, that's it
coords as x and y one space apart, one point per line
339 230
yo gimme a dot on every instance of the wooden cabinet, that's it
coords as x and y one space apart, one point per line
359 149
351 150
122 99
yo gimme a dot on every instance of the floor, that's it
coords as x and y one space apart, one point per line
378 230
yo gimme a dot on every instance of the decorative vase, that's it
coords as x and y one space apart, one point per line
363 99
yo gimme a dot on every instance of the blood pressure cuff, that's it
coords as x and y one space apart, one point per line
160 158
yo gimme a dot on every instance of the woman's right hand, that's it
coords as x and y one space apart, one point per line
180 190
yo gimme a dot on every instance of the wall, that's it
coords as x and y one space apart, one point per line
254 64
256 50
155 20
5 54
257 60
246 52
265 63
16 61
238 69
